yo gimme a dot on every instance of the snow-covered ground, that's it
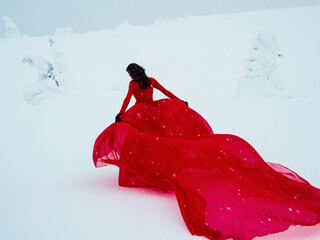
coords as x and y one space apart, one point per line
49 186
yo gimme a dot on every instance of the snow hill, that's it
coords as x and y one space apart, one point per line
49 186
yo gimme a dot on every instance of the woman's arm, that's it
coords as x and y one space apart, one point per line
127 99
158 86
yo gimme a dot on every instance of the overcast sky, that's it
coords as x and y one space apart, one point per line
40 17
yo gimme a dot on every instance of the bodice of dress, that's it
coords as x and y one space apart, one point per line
142 95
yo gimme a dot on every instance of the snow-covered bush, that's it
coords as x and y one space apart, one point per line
53 76
47 83
262 76
11 29
43 66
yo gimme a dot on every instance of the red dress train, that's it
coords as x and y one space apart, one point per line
223 187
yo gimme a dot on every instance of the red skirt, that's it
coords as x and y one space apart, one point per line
223 186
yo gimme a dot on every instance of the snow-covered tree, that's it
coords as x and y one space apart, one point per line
61 66
263 56
11 29
262 74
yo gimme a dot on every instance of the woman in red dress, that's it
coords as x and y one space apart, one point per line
223 186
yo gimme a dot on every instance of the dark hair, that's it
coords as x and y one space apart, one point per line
138 74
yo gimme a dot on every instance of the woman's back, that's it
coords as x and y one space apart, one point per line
142 95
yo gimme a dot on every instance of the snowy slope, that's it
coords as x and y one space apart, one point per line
49 186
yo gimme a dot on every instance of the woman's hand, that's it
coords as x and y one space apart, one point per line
118 119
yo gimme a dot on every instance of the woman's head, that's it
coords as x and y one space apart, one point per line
138 75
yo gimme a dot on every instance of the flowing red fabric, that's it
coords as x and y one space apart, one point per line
223 186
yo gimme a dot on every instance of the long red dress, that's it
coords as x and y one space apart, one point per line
223 186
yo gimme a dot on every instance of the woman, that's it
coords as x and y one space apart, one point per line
223 186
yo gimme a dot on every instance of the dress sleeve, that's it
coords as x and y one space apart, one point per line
158 86
127 99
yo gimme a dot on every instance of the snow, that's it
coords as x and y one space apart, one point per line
49 186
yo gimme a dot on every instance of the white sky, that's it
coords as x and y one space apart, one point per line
39 17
